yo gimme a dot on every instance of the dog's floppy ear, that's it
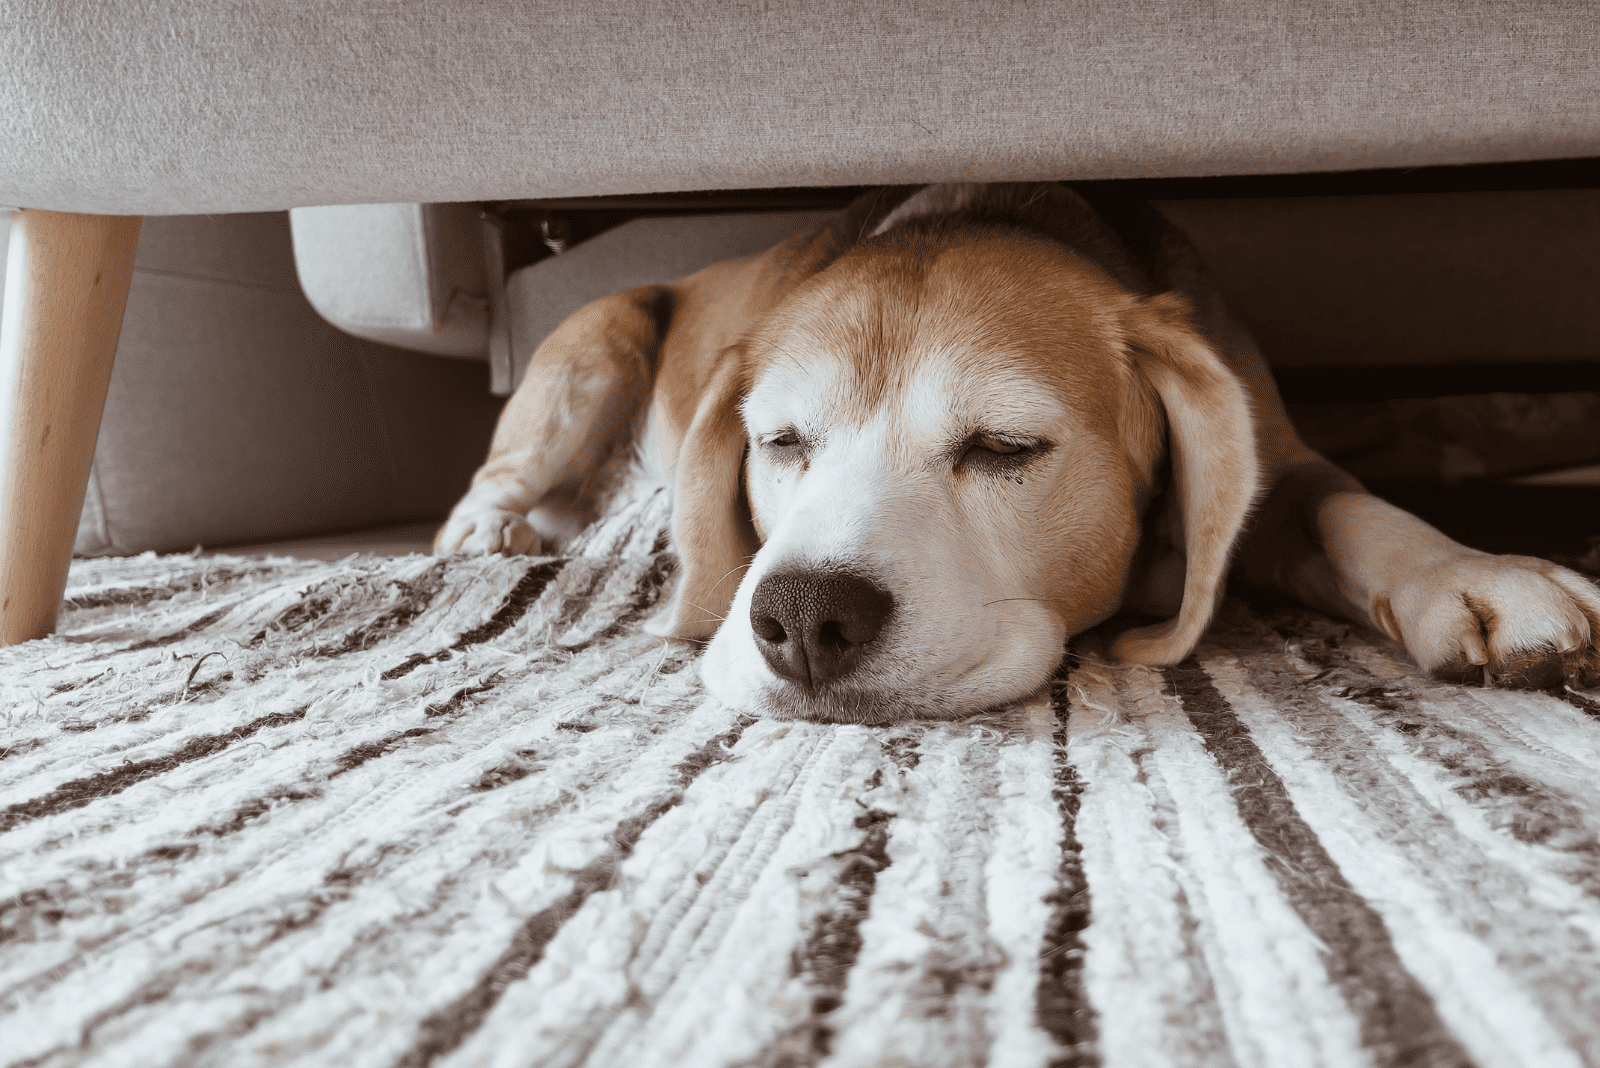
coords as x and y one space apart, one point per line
711 526
1215 471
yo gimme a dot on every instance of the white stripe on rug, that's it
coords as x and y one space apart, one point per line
1022 874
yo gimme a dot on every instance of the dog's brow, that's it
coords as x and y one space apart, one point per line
801 393
972 394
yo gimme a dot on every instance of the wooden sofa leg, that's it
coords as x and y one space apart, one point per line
66 286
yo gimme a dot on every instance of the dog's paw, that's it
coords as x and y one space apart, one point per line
1512 621
487 531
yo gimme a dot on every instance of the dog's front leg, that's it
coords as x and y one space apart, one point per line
580 400
1462 614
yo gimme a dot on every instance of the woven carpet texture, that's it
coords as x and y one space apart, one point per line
463 811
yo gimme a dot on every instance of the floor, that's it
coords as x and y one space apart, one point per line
394 539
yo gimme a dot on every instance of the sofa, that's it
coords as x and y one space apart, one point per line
186 109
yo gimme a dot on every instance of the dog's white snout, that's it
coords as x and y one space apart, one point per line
813 626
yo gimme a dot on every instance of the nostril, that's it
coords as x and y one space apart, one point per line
862 621
855 610
768 629
832 636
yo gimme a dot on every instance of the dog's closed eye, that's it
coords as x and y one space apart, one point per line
784 445
986 451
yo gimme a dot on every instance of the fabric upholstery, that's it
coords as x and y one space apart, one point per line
178 106
236 414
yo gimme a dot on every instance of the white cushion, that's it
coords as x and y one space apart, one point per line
411 275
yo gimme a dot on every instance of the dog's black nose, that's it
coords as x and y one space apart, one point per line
811 625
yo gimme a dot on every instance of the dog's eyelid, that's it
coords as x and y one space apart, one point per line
1005 444
998 445
993 449
784 438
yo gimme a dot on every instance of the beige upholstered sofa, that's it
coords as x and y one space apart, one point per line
187 108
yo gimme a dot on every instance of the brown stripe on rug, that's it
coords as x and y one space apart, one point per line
923 980
412 597
202 576
516 604
831 942
1494 888
189 630
1153 810
1399 1022
1063 1005
80 792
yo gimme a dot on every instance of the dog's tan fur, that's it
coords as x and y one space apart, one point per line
1168 455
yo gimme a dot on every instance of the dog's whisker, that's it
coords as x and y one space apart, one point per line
709 614
731 570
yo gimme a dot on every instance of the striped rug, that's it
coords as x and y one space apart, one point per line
408 812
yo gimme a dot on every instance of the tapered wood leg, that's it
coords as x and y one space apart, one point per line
66 286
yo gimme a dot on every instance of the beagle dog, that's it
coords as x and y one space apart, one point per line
914 452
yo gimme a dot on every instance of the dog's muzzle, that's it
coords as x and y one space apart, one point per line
813 627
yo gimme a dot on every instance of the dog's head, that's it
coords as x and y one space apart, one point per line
942 445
